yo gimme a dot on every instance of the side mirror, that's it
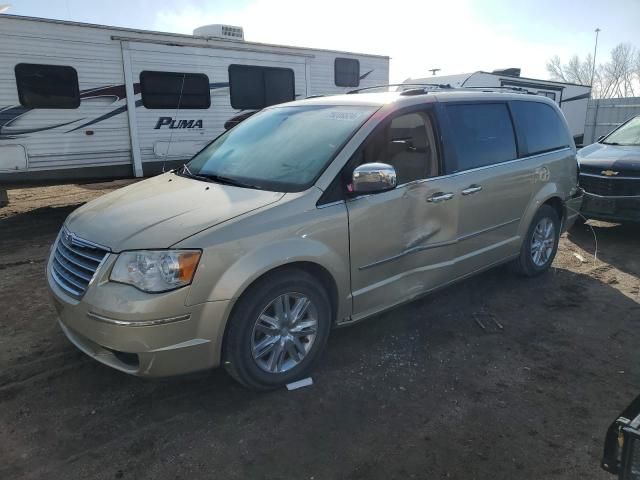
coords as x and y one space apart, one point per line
374 178
601 137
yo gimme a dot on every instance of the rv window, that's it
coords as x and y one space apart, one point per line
253 88
346 72
171 90
550 95
483 134
47 86
541 125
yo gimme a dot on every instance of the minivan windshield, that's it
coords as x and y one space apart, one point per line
280 149
628 134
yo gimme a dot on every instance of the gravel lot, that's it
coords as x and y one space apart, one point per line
420 392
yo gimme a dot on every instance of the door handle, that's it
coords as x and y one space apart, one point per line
471 190
440 197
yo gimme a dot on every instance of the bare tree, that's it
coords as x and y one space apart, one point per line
618 77
576 71
555 69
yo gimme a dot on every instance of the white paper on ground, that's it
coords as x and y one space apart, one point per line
305 382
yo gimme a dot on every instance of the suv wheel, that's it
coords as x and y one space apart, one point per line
540 244
278 330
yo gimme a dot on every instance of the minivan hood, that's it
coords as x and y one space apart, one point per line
160 211
612 157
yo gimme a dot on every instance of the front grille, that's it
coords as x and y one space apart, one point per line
622 171
74 263
609 186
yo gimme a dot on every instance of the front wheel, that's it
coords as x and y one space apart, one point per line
540 243
278 330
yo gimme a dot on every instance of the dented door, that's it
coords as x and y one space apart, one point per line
402 243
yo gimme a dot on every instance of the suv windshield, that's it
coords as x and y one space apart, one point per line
281 149
628 134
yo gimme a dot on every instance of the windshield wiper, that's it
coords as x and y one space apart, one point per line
188 173
214 178
229 181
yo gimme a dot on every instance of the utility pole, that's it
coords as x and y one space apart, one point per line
434 70
595 51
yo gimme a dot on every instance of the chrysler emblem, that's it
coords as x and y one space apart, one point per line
70 238
609 173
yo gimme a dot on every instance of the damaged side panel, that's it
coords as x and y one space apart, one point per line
402 243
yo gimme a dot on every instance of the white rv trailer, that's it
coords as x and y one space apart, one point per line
571 98
87 102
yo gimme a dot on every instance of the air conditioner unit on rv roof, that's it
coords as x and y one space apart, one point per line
220 31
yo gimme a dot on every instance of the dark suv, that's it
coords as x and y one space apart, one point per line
610 175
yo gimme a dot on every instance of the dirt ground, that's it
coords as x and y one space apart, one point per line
420 392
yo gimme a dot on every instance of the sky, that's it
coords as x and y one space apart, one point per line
456 36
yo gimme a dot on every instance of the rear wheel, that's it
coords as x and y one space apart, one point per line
540 244
278 330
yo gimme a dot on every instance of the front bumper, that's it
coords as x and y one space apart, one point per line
614 209
151 335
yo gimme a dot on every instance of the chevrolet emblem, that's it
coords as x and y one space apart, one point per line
609 173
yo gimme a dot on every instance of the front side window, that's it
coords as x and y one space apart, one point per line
541 125
172 90
627 134
407 143
347 72
482 133
47 86
280 149
254 88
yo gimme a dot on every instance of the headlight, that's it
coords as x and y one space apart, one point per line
156 270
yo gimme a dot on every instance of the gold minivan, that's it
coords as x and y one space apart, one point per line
309 215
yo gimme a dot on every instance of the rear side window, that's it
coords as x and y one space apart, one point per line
172 90
541 126
483 134
346 72
253 87
47 86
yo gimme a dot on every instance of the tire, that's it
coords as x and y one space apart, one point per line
529 263
258 323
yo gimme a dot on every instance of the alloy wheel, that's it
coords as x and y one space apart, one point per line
284 332
543 242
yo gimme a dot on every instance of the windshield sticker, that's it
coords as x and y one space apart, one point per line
348 116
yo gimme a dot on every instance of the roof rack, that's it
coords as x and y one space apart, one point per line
501 89
423 88
433 85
